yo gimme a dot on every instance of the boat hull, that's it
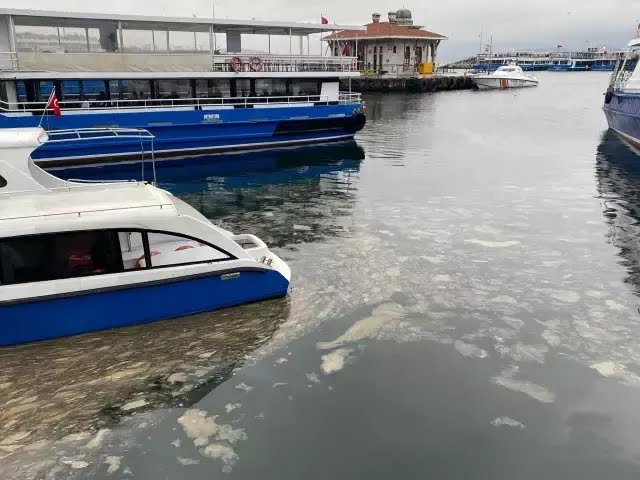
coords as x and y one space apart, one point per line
623 116
84 312
193 132
489 82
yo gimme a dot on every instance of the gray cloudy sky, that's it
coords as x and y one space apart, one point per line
513 23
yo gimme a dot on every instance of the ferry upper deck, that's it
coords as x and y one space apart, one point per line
34 43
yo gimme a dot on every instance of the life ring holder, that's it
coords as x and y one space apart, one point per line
236 64
255 64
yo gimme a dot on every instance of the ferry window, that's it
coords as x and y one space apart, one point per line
170 249
173 89
243 87
272 87
71 90
40 258
21 91
304 87
45 90
130 89
213 88
132 250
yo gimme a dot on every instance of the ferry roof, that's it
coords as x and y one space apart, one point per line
384 30
47 18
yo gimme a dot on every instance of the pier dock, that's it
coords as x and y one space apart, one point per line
434 83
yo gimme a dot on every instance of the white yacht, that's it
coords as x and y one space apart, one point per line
509 76
78 257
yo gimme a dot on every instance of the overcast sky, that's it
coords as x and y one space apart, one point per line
514 24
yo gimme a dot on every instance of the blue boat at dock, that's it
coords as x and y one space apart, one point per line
193 101
622 99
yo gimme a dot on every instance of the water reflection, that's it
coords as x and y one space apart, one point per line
618 173
58 394
285 196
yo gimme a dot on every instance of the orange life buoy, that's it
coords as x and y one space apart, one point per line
183 247
255 64
236 64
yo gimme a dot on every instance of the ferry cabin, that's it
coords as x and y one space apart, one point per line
189 81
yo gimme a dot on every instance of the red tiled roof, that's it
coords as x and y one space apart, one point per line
384 30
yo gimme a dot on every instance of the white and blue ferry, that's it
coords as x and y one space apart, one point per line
191 82
622 99
81 257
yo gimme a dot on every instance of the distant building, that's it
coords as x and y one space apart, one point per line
396 46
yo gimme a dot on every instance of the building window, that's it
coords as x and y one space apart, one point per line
394 49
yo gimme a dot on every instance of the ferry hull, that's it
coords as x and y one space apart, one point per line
87 312
193 132
623 117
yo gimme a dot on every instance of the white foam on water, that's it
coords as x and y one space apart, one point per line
566 296
281 360
313 377
244 386
537 392
134 404
493 244
613 305
176 443
230 407
469 350
187 461
76 464
198 426
367 328
523 353
335 361
617 371
507 422
113 462
302 228
442 278
279 384
223 452
96 441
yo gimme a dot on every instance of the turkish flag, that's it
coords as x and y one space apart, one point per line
53 104
323 20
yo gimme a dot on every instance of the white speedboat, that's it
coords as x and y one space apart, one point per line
508 76
78 257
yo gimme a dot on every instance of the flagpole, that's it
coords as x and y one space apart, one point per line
46 107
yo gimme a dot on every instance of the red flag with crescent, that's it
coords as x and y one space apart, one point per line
53 104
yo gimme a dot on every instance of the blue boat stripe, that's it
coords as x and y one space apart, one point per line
132 286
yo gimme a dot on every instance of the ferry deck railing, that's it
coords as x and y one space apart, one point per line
284 63
107 133
204 104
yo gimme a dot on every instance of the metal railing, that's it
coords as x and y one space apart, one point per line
108 133
283 63
8 61
178 103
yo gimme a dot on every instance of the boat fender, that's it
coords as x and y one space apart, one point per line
255 64
424 85
236 64
142 263
385 83
608 97
370 83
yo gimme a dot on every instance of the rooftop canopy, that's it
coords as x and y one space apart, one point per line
383 30
46 18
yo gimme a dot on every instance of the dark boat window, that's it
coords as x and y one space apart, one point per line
304 87
3 182
271 87
213 88
172 89
40 258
